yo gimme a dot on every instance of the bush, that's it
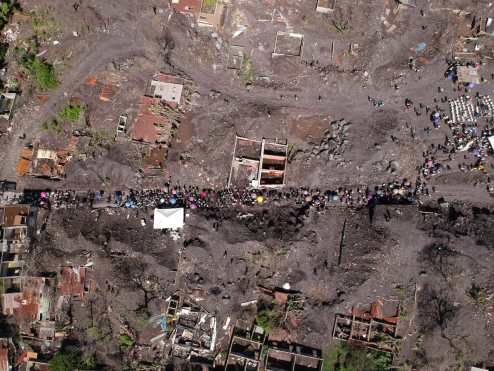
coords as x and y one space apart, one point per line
53 127
142 318
246 71
6 8
267 319
95 333
41 71
71 113
88 362
126 342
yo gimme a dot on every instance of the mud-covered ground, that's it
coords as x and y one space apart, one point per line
122 43
436 260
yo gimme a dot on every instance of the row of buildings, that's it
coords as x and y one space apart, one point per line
37 303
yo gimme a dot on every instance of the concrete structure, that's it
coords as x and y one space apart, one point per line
258 163
288 44
207 13
167 88
245 350
7 101
374 326
192 329
325 6
289 357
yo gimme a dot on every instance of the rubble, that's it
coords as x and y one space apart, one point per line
334 143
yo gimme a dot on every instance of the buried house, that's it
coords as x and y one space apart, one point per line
374 326
258 163
191 329
38 161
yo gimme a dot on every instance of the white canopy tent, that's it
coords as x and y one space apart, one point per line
168 218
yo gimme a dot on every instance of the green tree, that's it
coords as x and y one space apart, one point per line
42 72
64 361
126 342
5 11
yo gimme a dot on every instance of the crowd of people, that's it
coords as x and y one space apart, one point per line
191 197
466 141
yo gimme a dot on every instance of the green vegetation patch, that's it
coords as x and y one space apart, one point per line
346 357
209 6
64 361
40 70
126 342
6 8
52 127
68 361
247 72
71 113
44 25
267 319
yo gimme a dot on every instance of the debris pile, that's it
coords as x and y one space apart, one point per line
334 143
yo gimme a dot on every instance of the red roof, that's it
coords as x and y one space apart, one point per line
188 6
161 77
107 93
151 127
25 305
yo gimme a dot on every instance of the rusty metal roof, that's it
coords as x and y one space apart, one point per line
151 127
71 281
12 215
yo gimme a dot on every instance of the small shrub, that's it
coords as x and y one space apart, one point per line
267 319
71 113
94 333
208 6
142 318
88 362
247 72
53 127
126 342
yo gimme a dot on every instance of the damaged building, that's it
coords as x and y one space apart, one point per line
7 101
207 13
157 120
288 44
245 350
167 88
73 282
191 329
291 357
39 161
258 163
29 300
325 6
252 349
374 326
16 225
